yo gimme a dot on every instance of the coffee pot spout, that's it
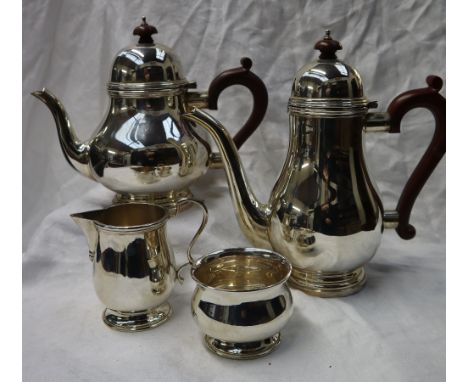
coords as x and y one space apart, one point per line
86 222
76 153
252 216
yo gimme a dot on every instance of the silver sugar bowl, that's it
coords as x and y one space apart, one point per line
241 301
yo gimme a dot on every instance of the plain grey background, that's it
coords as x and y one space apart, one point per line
393 330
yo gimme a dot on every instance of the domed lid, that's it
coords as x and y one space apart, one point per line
327 87
146 69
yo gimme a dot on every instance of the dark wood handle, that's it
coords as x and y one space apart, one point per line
428 98
241 76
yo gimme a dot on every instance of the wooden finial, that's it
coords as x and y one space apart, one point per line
328 47
144 30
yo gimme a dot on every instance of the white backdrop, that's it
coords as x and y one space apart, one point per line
393 330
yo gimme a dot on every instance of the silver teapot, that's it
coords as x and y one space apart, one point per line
144 150
324 213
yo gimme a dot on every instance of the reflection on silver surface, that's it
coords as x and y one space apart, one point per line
327 89
134 268
133 263
242 350
324 214
246 313
241 301
146 63
325 211
327 79
252 215
76 153
143 150
143 147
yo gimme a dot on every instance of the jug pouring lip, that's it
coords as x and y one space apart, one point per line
126 217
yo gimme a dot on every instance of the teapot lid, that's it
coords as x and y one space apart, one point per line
327 87
146 69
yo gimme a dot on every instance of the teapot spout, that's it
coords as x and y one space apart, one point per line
76 153
86 222
252 215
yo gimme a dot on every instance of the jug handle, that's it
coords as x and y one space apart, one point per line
191 261
428 98
241 76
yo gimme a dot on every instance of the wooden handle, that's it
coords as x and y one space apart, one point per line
428 98
241 76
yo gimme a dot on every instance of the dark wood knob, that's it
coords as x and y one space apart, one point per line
144 30
328 47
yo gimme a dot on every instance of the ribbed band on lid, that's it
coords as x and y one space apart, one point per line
327 87
147 68
331 107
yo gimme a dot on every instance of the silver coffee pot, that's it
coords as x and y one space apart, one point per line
144 150
324 213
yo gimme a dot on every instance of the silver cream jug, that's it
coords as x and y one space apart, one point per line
143 150
134 270
324 213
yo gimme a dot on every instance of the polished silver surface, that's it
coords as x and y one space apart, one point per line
137 321
142 150
328 284
242 350
391 218
328 107
324 213
147 70
134 268
76 152
252 215
327 88
377 123
145 64
241 301
324 79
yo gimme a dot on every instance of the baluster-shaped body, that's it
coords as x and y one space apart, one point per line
326 214
144 150
133 263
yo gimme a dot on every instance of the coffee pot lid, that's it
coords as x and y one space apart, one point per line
327 87
146 69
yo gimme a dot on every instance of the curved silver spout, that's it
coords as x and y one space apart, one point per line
76 152
252 215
